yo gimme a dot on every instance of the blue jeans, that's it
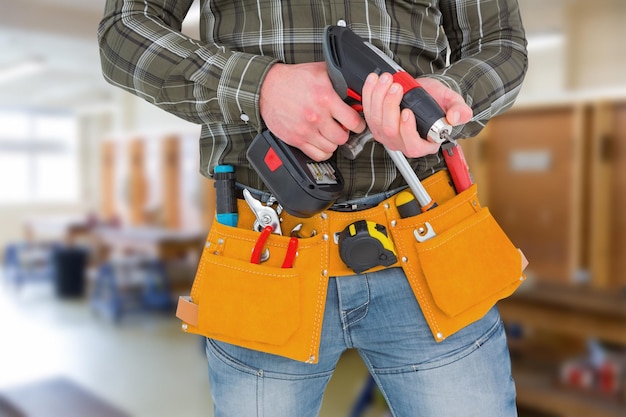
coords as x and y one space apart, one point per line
468 374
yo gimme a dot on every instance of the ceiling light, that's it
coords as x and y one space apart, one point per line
21 69
545 41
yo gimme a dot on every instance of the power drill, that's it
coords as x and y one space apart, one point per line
350 60
292 177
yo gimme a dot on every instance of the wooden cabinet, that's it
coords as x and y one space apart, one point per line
533 160
555 179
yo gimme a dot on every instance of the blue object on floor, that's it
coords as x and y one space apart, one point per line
26 262
365 398
132 284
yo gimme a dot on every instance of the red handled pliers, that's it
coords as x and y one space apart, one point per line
257 250
267 223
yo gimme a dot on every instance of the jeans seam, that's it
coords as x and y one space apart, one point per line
344 324
468 350
231 362
367 307
260 385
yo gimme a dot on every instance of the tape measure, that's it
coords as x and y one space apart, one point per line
365 244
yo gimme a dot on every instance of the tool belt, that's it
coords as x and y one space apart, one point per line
456 276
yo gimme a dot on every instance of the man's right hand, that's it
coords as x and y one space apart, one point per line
299 105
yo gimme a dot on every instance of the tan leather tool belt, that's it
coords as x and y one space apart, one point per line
457 275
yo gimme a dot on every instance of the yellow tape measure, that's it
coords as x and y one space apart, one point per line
365 244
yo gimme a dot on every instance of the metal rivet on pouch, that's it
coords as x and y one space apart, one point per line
325 237
387 206
474 202
311 359
208 244
393 223
325 272
184 326
421 230
439 335
405 259
220 241
324 216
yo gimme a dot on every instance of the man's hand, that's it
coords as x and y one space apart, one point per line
299 105
397 129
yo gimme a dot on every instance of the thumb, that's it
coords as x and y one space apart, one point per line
459 114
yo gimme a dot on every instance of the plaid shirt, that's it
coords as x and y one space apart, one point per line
475 47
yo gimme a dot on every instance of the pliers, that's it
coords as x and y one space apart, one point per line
267 222
265 216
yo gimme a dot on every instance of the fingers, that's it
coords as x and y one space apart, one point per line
314 152
320 146
459 113
335 131
414 145
374 92
395 129
347 117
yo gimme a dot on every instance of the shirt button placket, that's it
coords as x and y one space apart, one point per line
339 13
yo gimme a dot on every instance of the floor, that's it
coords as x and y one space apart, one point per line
145 366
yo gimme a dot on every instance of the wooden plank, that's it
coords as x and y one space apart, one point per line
539 393
617 157
107 180
599 215
580 298
564 321
170 181
137 182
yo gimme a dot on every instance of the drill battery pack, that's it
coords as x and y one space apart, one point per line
302 186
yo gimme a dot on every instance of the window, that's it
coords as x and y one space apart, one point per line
38 158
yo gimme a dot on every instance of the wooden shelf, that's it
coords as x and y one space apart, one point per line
563 311
569 310
540 393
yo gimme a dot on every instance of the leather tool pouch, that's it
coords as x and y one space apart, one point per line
461 272
259 306
456 276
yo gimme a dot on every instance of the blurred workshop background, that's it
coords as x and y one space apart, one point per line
103 215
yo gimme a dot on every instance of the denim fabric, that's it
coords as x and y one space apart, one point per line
468 374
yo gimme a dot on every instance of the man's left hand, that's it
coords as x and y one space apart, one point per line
396 128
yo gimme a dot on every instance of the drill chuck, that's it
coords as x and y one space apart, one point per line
440 131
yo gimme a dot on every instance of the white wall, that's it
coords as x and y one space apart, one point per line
591 57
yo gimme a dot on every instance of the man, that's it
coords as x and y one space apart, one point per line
260 65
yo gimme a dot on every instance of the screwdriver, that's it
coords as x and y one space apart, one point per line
226 200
